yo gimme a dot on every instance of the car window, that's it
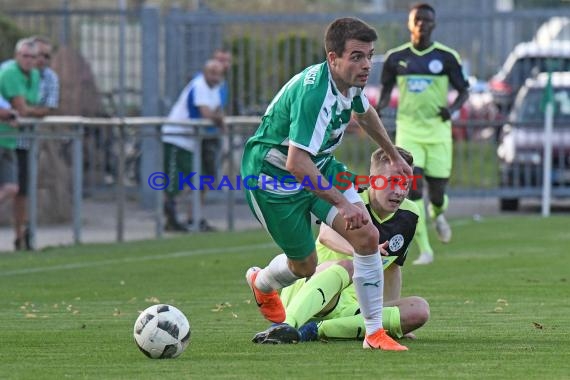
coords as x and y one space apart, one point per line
531 109
562 105
564 34
528 109
527 67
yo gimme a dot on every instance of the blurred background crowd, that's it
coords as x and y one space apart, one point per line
133 58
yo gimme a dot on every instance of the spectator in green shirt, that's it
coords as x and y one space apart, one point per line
8 186
20 87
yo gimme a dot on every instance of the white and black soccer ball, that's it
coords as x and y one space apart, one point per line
162 332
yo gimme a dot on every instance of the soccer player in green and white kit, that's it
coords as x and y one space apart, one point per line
423 69
289 169
327 299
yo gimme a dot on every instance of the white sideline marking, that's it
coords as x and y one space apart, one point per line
132 259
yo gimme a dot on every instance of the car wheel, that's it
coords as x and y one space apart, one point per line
509 204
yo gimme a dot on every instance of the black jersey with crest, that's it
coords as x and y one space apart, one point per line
398 228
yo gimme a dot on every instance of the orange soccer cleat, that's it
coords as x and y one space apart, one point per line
270 304
380 340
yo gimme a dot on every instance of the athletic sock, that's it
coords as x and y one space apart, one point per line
276 275
421 237
351 327
435 211
315 294
368 281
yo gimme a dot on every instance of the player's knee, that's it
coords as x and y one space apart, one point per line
305 267
420 314
437 190
304 272
437 198
366 239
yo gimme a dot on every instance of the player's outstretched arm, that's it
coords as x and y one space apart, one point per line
372 125
299 164
384 98
461 98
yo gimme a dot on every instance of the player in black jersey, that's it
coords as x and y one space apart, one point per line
327 301
423 70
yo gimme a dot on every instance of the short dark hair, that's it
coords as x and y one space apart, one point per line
424 6
347 28
379 157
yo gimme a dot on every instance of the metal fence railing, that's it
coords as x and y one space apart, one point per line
139 60
153 54
478 168
72 131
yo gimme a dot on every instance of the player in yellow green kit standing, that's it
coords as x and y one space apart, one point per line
423 69
292 152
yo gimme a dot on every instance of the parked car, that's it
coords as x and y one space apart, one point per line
520 150
526 60
555 29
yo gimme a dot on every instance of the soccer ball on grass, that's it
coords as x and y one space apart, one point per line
162 332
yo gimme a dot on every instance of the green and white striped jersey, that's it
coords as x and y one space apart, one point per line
308 112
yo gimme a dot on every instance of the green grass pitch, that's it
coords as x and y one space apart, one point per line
499 296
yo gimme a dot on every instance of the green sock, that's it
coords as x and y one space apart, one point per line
316 294
421 237
351 327
435 211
